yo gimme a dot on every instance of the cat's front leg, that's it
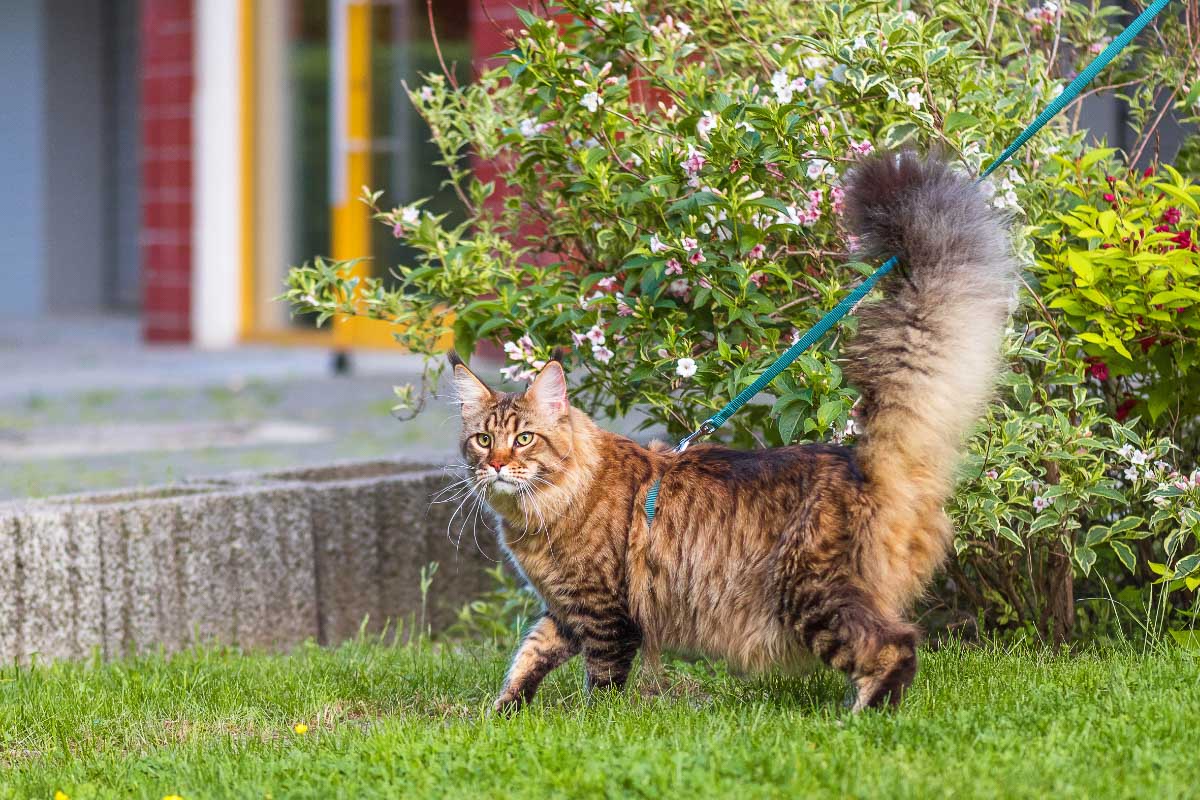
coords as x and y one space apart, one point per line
547 645
609 648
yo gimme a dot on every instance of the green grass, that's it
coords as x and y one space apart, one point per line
410 722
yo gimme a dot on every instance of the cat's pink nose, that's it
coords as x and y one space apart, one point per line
496 465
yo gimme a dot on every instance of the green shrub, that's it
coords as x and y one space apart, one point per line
667 206
1124 268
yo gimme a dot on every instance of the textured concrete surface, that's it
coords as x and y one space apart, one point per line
255 559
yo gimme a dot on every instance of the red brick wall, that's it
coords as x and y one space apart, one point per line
166 168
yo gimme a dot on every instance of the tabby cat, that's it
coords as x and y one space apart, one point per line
764 558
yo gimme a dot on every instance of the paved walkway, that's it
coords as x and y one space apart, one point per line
84 404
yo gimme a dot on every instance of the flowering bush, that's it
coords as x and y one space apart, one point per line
1123 266
667 206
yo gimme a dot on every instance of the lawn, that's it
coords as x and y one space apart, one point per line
387 721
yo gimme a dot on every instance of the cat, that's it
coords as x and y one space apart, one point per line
764 558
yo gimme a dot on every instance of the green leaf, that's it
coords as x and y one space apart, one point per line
957 120
1085 557
1188 640
1125 554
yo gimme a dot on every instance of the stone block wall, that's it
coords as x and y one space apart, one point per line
262 560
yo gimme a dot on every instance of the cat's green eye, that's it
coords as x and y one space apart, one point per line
483 439
524 438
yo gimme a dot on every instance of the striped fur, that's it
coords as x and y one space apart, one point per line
764 558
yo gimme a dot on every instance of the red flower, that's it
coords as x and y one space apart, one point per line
735 165
1098 369
1172 215
1182 240
1162 228
1146 342
1126 406
1149 173
1111 180
1109 197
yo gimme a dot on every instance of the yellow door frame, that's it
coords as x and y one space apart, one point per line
350 51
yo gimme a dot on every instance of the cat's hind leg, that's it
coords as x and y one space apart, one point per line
839 624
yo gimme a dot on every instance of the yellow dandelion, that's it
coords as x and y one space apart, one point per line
300 728
61 795
172 797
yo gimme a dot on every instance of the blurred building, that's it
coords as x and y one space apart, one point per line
171 158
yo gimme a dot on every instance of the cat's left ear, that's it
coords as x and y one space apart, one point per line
548 392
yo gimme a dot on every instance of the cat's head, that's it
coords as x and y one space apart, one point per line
515 442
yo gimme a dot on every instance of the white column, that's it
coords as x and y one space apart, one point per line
216 175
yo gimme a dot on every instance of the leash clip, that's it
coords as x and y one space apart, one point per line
704 430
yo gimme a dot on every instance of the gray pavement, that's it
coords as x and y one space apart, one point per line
85 405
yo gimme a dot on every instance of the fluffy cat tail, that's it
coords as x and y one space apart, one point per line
925 357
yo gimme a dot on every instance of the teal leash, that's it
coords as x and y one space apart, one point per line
835 315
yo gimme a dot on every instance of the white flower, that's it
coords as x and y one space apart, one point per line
688 243
538 364
1131 473
1040 503
656 244
816 169
619 7
705 124
914 99
596 336
819 80
782 86
685 368
1126 450
426 93
860 43
1138 457
530 127
602 353
510 372
838 75
591 101
678 287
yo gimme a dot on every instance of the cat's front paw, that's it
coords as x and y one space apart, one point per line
507 704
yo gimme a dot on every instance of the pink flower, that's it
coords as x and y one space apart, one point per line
656 244
707 123
837 198
704 284
624 310
602 353
757 252
696 257
398 230
992 474
1172 216
688 243
693 163
759 279
596 335
1109 197
674 267
607 284
861 148
1040 503
678 287
662 353
1149 173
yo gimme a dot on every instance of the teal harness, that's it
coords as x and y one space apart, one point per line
834 315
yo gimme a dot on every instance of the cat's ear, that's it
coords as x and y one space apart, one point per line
548 392
472 392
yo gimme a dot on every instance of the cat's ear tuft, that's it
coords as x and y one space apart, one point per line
454 358
472 392
548 392
559 355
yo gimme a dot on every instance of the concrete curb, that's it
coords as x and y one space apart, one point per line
262 560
